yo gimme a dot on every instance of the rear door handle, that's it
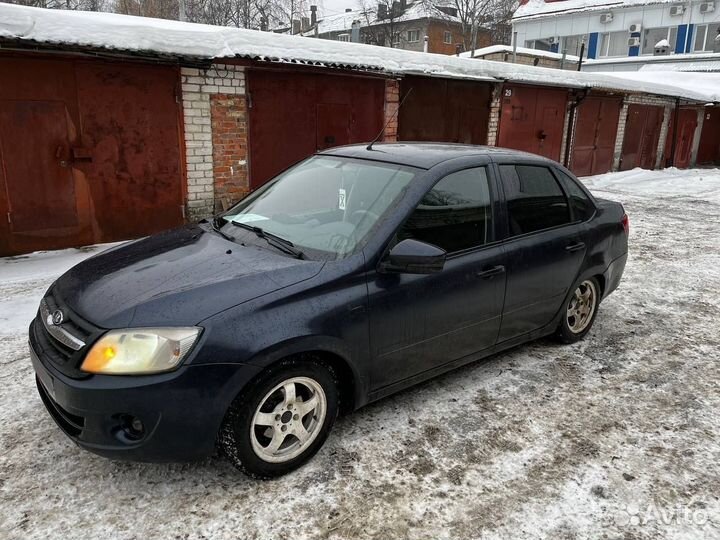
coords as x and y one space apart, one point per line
575 247
490 272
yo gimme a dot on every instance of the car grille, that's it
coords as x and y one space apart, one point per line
68 422
63 344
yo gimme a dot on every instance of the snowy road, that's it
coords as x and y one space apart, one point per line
616 436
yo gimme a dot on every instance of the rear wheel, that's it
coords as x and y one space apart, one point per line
282 420
580 311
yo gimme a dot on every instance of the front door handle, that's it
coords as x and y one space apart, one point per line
490 272
577 246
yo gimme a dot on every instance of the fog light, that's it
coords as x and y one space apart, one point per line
132 427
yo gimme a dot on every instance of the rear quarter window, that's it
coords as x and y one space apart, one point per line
581 205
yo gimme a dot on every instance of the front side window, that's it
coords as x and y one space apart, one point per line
456 214
534 198
325 205
581 205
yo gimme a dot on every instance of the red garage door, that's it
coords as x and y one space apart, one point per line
444 110
89 152
595 132
709 149
532 120
642 133
293 115
686 124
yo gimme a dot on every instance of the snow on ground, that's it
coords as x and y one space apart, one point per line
614 437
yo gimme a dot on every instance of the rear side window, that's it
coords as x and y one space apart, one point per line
535 200
582 207
455 214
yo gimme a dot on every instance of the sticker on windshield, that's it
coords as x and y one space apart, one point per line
341 199
246 218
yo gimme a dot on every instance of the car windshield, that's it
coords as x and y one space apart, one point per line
324 204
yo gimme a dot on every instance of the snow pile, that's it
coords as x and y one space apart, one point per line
494 49
185 40
708 83
697 183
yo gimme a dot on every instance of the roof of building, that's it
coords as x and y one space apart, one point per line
541 8
76 30
495 49
339 22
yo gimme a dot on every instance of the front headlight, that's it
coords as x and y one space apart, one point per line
140 350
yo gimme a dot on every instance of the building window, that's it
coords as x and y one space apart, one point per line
343 37
707 38
653 36
447 38
540 44
613 44
413 36
573 44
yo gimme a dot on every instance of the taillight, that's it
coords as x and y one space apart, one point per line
626 223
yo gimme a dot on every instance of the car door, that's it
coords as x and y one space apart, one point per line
421 322
544 248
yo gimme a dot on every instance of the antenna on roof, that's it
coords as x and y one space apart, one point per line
397 111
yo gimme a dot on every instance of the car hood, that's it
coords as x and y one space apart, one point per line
179 277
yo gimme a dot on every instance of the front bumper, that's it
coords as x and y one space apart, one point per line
181 411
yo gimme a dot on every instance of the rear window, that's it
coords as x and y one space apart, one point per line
535 200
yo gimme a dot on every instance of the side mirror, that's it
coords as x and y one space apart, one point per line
414 257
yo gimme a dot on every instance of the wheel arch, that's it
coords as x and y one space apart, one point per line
328 351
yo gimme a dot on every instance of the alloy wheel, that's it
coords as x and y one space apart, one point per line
288 419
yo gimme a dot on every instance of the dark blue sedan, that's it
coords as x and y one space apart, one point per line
352 275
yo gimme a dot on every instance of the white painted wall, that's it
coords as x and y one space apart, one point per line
650 16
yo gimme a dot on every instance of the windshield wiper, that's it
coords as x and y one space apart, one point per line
215 224
273 239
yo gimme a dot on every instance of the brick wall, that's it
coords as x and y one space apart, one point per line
494 117
392 101
210 171
229 140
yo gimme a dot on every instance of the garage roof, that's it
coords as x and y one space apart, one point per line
141 35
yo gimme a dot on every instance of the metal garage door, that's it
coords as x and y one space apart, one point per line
642 133
89 152
532 119
444 110
293 115
686 124
709 149
595 133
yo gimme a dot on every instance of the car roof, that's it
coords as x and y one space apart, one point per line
424 154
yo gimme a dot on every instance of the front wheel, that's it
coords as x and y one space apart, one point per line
281 421
580 312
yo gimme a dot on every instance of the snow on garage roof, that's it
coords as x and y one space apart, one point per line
122 33
541 8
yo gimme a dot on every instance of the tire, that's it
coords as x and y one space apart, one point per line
579 311
271 429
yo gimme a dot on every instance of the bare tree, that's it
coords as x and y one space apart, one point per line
84 5
381 22
476 15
